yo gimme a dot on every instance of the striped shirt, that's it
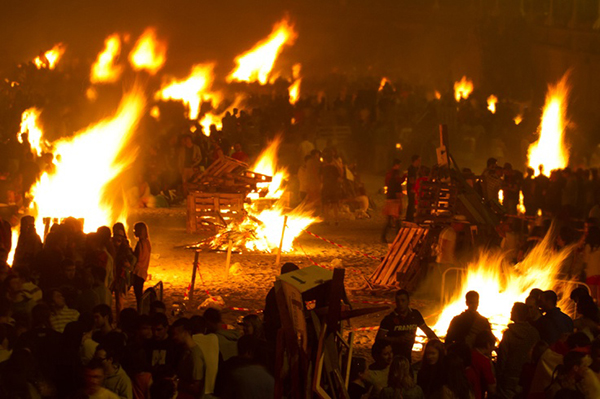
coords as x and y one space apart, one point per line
63 317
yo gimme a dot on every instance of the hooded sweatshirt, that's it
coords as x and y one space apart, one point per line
515 349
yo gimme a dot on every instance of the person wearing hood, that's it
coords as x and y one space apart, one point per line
515 350
227 338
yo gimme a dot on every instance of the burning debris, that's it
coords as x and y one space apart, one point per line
463 89
50 58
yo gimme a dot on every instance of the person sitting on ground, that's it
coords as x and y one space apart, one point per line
589 320
103 322
93 381
430 376
569 376
554 323
481 363
242 377
99 287
399 328
190 368
378 371
227 338
116 379
21 304
61 314
401 384
70 283
30 289
515 350
358 388
466 326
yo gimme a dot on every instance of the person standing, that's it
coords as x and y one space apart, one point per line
142 252
393 202
554 323
491 181
465 327
412 174
399 328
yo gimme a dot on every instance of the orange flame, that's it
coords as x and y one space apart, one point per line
463 89
294 89
104 69
491 101
85 164
192 90
29 125
256 64
149 53
500 284
438 95
50 58
383 82
550 150
213 118
155 112
518 119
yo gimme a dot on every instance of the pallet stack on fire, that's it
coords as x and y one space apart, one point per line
217 195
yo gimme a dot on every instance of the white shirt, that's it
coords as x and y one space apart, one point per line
209 344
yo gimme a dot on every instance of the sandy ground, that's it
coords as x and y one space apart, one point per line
172 264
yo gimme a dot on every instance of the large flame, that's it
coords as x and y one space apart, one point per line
384 81
29 125
105 69
491 101
500 284
550 150
463 88
216 118
294 89
192 90
261 231
257 63
50 58
149 53
85 164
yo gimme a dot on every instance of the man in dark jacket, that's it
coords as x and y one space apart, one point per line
554 323
465 327
515 350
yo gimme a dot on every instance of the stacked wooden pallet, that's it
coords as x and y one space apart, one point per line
436 202
402 264
227 175
210 211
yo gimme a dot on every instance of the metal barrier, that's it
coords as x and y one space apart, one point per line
458 270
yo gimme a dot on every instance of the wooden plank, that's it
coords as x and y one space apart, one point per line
390 270
392 250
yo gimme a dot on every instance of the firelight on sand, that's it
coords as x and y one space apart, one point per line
500 285
192 90
149 53
550 149
257 63
105 69
50 58
463 88
90 160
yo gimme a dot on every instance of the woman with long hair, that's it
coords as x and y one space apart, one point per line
124 263
142 252
401 383
432 369
455 382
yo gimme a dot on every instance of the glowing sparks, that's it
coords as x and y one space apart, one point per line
491 102
105 69
294 89
86 164
463 89
192 90
518 119
155 112
550 150
149 53
257 63
50 58
500 284
29 125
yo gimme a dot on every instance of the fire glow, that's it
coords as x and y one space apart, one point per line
192 90
294 89
491 101
50 58
149 53
256 64
550 150
99 147
105 69
500 284
29 125
463 89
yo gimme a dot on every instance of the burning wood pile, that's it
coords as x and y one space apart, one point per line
261 219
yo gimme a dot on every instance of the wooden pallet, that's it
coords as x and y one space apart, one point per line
402 264
210 211
227 175
436 202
